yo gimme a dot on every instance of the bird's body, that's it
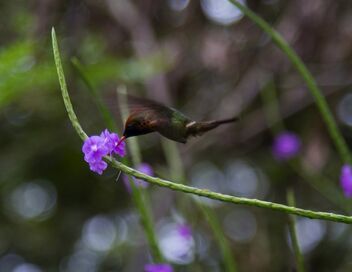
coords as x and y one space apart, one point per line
147 116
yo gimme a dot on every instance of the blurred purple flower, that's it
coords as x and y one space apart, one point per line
158 268
145 168
185 231
346 180
96 147
286 145
176 243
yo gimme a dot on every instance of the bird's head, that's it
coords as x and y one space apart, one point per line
135 127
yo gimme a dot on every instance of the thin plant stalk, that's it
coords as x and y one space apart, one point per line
173 160
320 100
180 187
177 173
146 219
293 233
271 107
220 237
137 192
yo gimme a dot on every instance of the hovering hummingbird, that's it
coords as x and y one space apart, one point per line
147 116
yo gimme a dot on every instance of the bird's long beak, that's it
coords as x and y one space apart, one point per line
121 140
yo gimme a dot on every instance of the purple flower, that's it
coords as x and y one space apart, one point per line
145 168
176 243
286 145
112 142
158 268
346 180
96 147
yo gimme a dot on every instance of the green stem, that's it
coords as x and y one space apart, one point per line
138 193
63 86
173 160
271 108
220 238
180 187
231 199
293 234
308 78
146 220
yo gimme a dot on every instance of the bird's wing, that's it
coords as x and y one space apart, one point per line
152 111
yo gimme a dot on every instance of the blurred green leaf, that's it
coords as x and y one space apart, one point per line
20 71
130 70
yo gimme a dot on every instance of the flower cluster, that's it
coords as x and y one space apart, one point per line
346 180
286 145
158 268
96 147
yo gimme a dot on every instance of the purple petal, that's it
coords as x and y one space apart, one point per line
98 166
120 149
158 268
346 180
112 143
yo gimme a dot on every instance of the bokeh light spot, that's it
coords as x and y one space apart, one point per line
33 200
99 233
221 11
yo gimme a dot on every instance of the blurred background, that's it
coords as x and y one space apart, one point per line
206 59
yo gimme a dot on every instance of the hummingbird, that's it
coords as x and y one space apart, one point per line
147 116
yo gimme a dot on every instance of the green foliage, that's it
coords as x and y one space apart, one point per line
126 70
21 71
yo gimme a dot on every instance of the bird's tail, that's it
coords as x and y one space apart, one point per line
198 128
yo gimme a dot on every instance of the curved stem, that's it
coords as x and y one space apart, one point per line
179 187
308 78
139 195
293 234
229 198
63 86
